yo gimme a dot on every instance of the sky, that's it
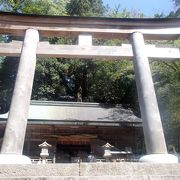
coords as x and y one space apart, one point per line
148 7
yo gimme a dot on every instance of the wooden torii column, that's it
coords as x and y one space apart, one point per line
152 126
13 141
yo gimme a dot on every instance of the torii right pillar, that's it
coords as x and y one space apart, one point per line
152 126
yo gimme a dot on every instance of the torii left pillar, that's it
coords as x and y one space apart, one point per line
13 141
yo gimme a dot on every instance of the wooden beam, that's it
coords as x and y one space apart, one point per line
113 28
100 33
11 49
89 52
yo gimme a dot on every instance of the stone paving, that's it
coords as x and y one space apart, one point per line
91 171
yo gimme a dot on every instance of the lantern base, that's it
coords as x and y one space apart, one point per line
14 159
159 158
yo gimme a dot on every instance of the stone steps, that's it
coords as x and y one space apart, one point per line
95 178
91 171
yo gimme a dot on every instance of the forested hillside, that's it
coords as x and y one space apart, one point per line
93 81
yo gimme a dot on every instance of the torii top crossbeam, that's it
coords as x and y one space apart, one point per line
86 28
16 24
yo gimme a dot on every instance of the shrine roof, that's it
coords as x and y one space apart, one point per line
79 113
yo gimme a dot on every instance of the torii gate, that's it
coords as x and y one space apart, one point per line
85 28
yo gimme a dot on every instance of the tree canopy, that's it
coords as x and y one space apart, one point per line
85 8
45 7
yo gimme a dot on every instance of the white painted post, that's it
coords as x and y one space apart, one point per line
85 40
13 141
152 126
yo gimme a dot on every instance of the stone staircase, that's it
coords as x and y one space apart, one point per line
92 171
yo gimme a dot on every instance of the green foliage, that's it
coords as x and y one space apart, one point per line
95 81
45 7
48 80
177 2
117 12
8 70
2 39
167 83
161 15
13 5
126 14
176 12
112 79
85 8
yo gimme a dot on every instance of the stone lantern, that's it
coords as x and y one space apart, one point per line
44 151
107 151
